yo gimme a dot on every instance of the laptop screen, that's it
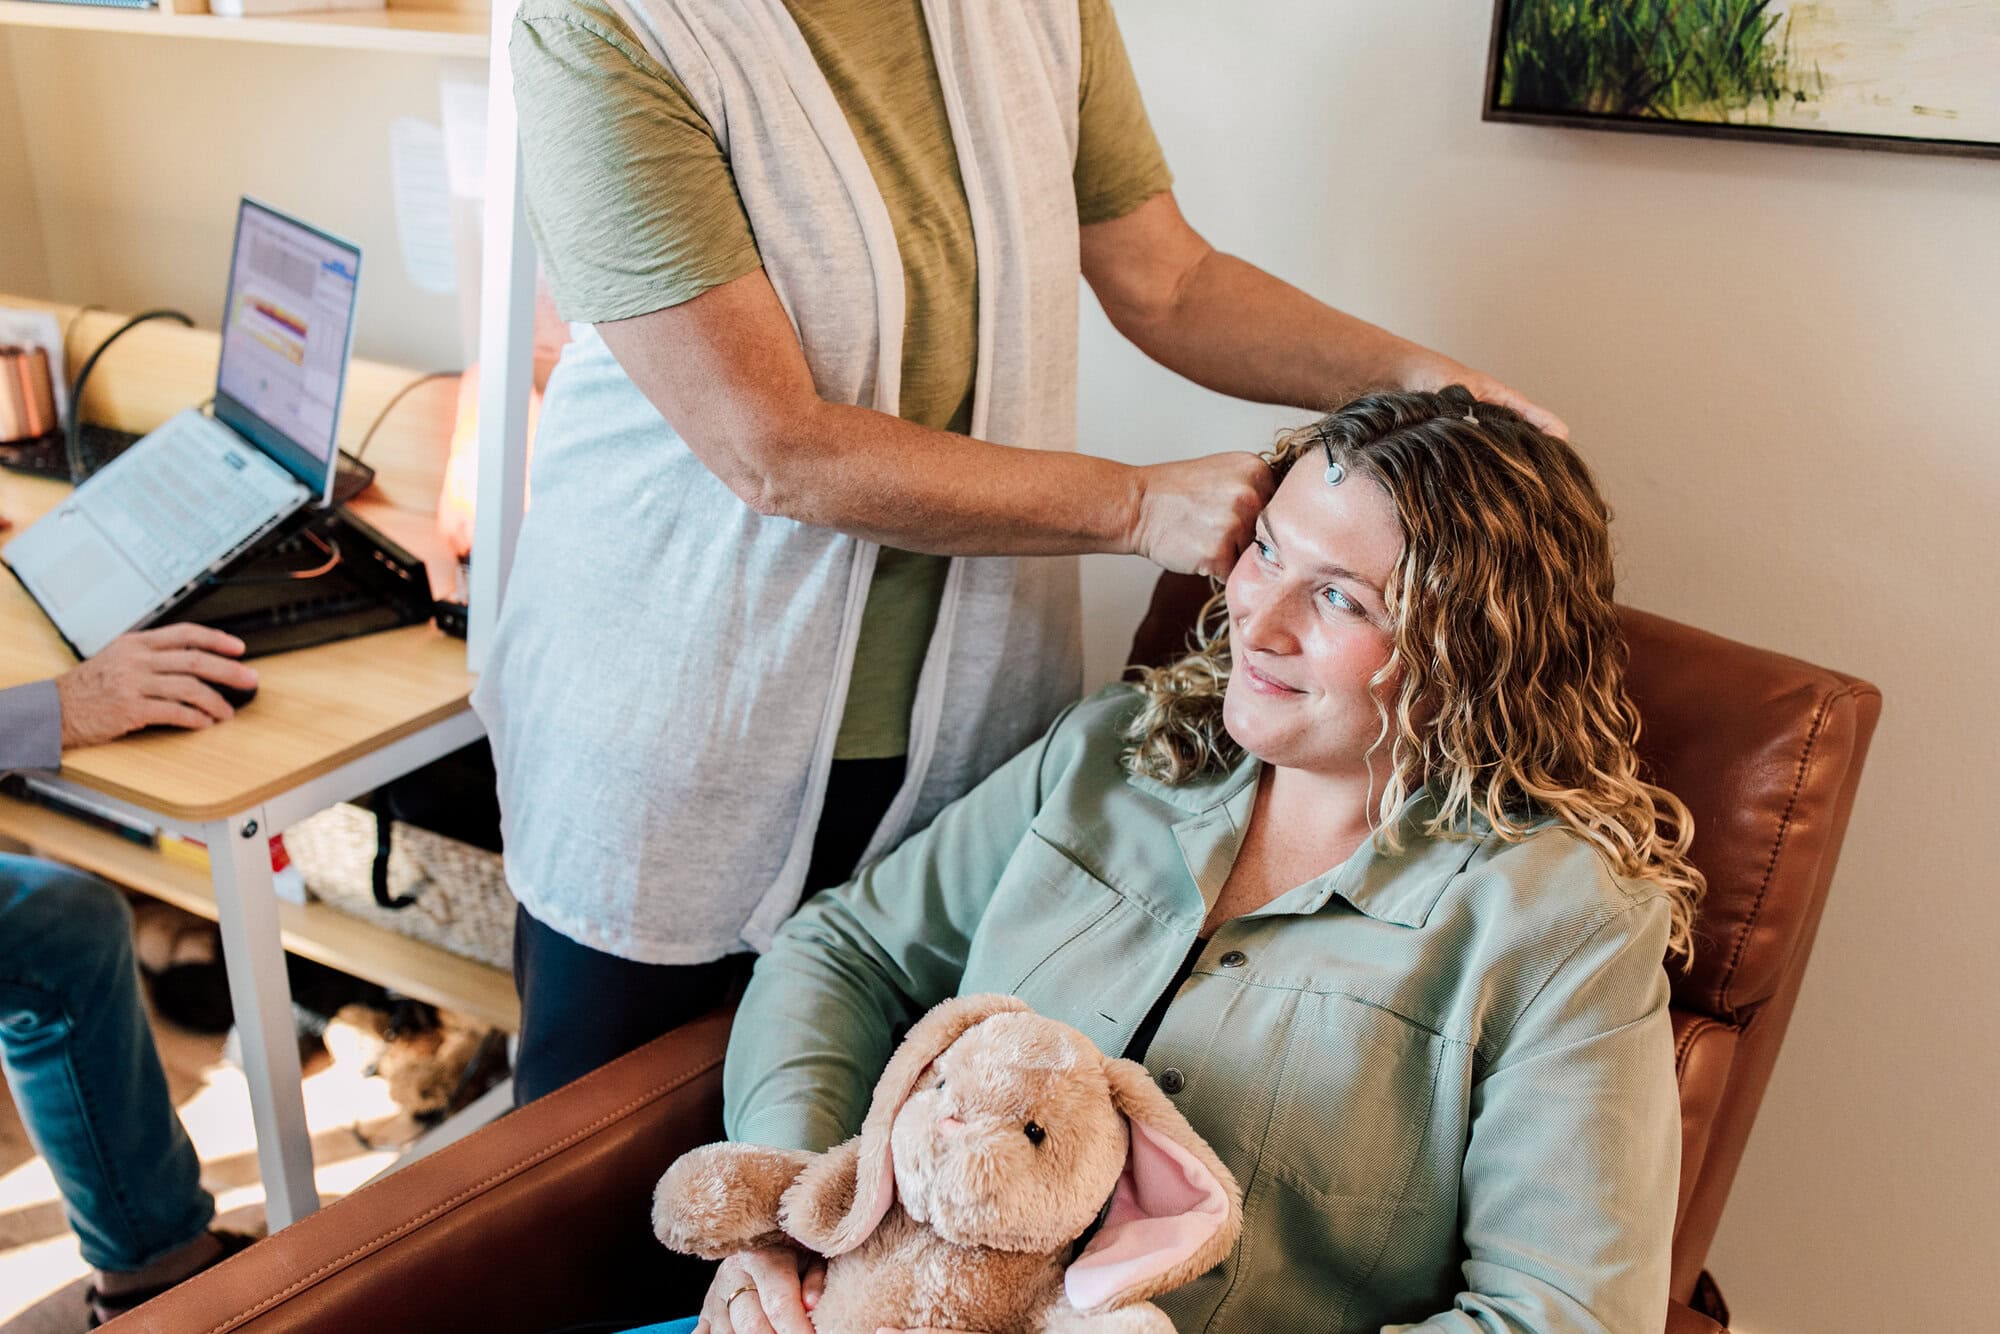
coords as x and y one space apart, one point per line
287 327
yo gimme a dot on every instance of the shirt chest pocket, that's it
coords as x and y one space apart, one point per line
1337 1186
1353 1102
1043 904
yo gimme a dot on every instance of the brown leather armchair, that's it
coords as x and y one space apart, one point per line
541 1220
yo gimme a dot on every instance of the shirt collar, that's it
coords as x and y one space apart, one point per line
1400 887
1205 791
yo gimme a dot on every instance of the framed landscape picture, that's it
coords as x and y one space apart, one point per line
1918 76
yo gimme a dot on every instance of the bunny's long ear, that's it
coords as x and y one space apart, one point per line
1176 1211
835 1204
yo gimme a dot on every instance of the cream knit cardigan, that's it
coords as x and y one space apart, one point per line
670 667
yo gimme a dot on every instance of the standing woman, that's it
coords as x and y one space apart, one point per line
786 587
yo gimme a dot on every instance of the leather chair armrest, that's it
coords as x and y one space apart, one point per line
541 1220
1684 1319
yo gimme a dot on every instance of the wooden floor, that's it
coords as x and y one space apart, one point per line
42 1276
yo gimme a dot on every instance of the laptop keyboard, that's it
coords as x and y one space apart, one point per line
178 505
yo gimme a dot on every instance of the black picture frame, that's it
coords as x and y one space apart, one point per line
1583 120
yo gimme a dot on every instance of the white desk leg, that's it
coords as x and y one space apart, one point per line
247 907
506 351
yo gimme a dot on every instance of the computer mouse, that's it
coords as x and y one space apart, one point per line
236 695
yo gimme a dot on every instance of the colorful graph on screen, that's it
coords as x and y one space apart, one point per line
272 325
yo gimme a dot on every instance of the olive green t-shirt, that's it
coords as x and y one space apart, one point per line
634 209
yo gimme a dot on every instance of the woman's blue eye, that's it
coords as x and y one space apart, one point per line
1340 600
1263 548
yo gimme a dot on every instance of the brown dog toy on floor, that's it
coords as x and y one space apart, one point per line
995 1140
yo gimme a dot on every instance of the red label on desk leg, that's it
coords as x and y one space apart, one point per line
193 852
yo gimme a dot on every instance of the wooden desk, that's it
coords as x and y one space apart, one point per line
328 724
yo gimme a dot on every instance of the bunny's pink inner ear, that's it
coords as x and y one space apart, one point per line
1167 1206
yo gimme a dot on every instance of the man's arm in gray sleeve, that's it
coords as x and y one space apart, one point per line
30 727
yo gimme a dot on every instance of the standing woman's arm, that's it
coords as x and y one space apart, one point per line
639 226
727 370
1230 326
1219 321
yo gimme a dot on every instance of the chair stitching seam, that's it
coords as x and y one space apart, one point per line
1777 845
476 1188
1695 1030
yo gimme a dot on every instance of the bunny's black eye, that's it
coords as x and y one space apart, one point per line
1034 1133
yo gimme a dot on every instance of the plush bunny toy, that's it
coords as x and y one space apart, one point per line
994 1141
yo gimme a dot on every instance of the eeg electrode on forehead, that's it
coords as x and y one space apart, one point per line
1336 474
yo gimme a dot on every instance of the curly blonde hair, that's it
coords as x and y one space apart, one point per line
1507 663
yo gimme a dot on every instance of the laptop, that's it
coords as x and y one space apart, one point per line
161 519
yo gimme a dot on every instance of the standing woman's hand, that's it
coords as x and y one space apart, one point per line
1429 372
765 1291
1197 515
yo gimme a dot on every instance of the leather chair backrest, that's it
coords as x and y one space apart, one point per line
1762 749
1766 751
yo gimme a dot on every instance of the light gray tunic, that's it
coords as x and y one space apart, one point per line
669 669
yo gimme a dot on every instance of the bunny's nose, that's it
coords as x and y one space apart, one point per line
951 1125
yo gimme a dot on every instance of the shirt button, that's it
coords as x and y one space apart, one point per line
1172 1082
1234 959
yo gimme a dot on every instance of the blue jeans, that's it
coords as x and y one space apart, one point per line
86 1079
671 1327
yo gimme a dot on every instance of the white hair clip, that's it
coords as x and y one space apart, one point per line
1334 472
1469 417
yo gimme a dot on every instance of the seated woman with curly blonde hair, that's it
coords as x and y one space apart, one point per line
1369 881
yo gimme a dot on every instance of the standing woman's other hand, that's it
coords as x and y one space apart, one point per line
762 1292
1431 372
151 678
1197 515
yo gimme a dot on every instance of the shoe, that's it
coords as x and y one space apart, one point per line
194 996
102 1308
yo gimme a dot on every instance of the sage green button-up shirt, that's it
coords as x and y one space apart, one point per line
1444 1077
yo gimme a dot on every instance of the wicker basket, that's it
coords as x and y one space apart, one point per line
462 903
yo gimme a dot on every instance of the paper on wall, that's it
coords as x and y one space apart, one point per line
463 104
418 182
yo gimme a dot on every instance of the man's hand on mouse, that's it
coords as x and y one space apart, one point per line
151 678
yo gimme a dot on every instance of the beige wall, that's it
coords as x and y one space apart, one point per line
133 150
1785 365
22 263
